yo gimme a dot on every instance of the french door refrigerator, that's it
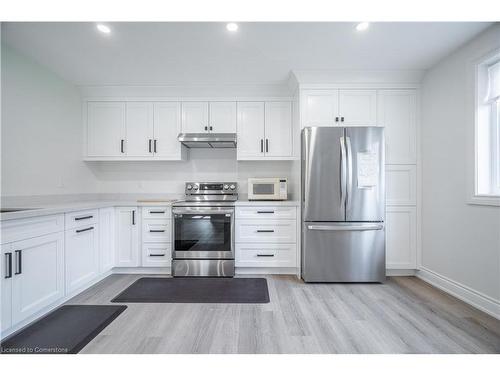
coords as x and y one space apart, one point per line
343 204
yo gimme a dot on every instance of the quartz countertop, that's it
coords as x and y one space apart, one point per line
35 209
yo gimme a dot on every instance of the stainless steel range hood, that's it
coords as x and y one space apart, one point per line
208 140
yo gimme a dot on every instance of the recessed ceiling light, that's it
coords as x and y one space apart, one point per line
362 26
232 26
103 28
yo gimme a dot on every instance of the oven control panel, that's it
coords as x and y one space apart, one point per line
202 188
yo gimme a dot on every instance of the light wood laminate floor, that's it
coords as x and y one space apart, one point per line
404 315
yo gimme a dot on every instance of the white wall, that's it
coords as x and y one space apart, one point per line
41 132
460 242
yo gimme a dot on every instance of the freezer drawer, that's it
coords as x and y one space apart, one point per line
343 252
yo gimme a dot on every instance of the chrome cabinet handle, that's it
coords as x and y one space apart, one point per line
84 217
84 230
8 265
19 262
265 255
265 230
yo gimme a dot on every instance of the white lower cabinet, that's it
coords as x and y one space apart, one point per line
401 238
266 237
106 239
156 237
127 237
32 276
82 257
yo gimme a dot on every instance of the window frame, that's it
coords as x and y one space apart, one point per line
485 185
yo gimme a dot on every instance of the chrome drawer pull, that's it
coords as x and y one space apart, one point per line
84 217
265 230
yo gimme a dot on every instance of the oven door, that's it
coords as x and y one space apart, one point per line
203 232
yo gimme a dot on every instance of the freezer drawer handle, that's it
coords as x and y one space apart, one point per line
265 230
346 227
156 230
156 255
265 255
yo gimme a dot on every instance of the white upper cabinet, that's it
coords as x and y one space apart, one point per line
397 112
105 129
319 107
139 121
278 130
265 131
250 130
222 117
167 126
195 117
358 107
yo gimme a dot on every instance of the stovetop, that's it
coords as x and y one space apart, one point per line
209 194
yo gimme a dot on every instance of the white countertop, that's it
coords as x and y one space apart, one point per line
60 208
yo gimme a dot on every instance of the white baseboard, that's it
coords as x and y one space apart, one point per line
400 272
142 270
477 299
266 271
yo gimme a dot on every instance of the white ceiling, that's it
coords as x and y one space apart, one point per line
206 53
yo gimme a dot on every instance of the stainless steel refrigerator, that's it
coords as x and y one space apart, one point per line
343 204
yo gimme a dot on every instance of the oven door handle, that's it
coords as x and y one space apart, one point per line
202 211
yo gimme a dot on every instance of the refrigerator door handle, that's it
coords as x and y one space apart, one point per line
347 227
343 172
349 171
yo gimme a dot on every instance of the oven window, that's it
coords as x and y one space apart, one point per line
199 232
263 189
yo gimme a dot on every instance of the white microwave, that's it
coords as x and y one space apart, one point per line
267 189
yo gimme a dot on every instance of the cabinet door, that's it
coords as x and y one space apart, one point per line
6 273
105 128
167 126
397 112
278 129
106 239
38 279
194 117
319 107
127 237
401 238
222 117
139 129
250 130
358 107
82 257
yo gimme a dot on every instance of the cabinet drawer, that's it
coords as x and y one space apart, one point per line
160 212
270 231
266 212
266 255
156 230
156 255
21 229
80 218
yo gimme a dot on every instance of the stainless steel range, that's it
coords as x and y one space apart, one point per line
203 230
